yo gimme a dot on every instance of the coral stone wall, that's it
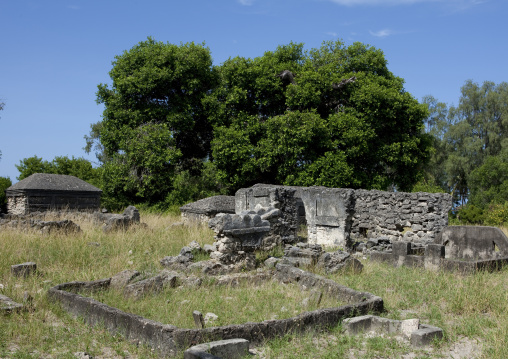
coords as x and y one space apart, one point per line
413 217
335 216
16 205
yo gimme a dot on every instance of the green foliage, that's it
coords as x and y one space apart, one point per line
478 129
470 214
153 123
496 214
428 186
489 182
470 153
5 182
333 116
63 165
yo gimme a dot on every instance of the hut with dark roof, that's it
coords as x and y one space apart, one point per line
43 192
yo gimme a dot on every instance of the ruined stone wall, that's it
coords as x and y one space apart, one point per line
413 217
336 216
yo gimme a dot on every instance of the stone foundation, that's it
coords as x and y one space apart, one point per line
169 340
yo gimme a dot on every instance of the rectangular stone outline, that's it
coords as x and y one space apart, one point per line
168 340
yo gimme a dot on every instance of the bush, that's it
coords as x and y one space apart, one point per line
429 186
470 214
5 182
496 214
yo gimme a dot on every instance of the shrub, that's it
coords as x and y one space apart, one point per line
470 214
496 214
5 182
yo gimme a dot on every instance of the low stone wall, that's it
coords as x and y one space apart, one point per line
434 258
168 340
337 216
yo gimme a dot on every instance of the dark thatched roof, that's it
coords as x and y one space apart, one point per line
52 182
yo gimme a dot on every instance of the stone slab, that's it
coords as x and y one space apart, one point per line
225 349
23 269
7 305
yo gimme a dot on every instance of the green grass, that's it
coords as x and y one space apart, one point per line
232 305
471 308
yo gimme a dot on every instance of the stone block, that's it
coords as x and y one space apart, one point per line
7 305
473 242
24 269
120 280
198 319
357 325
225 349
401 248
434 254
426 335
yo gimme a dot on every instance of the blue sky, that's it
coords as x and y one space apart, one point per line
54 53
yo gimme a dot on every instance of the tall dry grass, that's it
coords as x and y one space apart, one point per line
467 307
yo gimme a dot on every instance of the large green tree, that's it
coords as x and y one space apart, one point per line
78 167
154 124
333 116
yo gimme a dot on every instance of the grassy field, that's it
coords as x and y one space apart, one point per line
471 309
235 305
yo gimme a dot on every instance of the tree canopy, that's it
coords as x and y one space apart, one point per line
63 165
471 144
153 123
333 116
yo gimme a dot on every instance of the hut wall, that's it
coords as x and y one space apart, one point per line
16 205
45 201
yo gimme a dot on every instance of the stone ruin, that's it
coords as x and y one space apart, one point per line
207 208
239 236
37 220
169 340
338 216
466 249
271 218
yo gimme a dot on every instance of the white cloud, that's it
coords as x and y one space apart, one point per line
382 33
246 2
455 3
330 33
73 7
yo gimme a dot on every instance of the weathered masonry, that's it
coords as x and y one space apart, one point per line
207 208
43 192
337 216
465 249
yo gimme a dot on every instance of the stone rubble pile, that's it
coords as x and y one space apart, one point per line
306 254
37 220
65 226
111 221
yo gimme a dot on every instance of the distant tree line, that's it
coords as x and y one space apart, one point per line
470 152
176 128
